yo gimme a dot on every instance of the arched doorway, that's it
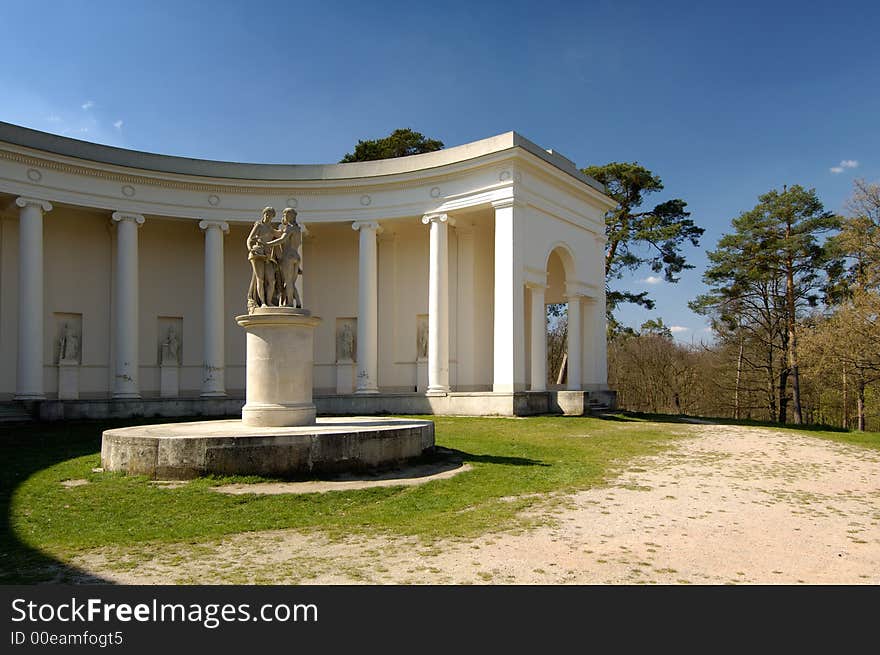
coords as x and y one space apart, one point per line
565 309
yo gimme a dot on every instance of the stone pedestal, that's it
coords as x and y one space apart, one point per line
68 380
279 367
345 377
169 381
421 375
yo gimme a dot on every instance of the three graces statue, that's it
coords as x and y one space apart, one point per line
273 251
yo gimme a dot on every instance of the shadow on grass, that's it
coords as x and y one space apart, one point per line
621 417
627 416
496 459
809 427
26 448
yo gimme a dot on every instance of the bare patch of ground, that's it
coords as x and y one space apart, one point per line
729 505
169 484
408 477
70 484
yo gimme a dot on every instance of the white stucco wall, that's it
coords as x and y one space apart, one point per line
77 278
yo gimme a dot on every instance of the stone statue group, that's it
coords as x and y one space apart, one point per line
273 251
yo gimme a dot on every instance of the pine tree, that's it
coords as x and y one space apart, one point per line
768 270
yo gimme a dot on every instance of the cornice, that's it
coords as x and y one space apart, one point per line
560 178
397 180
317 187
507 203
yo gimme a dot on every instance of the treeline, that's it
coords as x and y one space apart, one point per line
793 304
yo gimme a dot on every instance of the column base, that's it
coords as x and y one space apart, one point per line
126 396
509 388
29 396
422 375
68 381
438 389
212 394
169 381
344 378
374 390
278 416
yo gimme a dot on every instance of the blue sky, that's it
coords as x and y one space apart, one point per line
723 100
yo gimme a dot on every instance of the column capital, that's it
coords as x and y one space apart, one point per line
25 201
119 217
357 226
530 284
438 218
576 290
208 224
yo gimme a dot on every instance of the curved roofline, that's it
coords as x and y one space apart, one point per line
99 153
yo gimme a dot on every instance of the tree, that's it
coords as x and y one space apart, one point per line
774 255
557 344
655 327
746 309
653 373
859 238
635 238
849 341
400 143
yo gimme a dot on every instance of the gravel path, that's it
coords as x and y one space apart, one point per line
729 505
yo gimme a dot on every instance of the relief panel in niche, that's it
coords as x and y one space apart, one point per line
346 339
68 338
170 346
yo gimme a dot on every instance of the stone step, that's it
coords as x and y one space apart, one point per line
13 412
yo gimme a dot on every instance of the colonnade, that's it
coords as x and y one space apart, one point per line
508 307
29 378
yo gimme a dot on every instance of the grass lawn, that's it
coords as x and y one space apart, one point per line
867 439
516 464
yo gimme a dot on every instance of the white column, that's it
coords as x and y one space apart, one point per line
214 362
588 352
29 380
438 303
368 308
302 257
600 341
125 380
465 348
539 339
509 322
575 339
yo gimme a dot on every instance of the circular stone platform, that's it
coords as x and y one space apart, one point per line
180 451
